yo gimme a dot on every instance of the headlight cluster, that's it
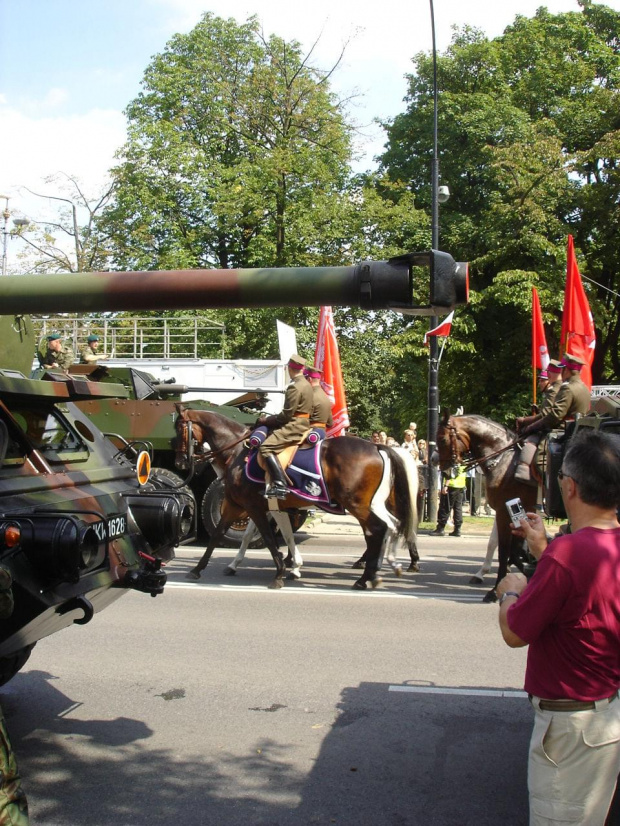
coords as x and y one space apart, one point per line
165 519
59 547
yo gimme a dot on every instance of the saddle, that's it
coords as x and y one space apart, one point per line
302 464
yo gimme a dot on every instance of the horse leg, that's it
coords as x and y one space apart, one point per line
263 524
374 532
230 513
284 523
250 532
390 547
488 560
504 540
414 556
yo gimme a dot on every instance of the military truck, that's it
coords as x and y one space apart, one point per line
81 521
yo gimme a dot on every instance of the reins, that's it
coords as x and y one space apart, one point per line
474 462
209 454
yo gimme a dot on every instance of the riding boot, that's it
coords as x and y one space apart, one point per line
279 484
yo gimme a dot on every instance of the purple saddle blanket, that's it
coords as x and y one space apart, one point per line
305 474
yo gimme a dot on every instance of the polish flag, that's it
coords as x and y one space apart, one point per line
442 329
578 336
540 354
327 359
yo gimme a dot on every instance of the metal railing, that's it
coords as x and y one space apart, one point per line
147 337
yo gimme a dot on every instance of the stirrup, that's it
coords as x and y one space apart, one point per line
276 490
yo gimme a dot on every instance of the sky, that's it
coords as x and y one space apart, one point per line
68 68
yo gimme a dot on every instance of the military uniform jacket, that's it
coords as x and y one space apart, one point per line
548 397
572 397
321 407
288 427
87 356
64 358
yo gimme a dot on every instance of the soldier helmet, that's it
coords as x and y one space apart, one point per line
54 337
554 366
92 338
296 361
572 362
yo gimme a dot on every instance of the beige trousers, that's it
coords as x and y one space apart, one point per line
573 766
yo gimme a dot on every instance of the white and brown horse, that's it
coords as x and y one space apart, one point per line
374 483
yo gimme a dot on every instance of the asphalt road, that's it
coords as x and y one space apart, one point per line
224 702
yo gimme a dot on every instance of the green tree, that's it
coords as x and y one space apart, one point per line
528 131
237 156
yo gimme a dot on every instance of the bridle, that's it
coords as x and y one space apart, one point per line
456 436
207 455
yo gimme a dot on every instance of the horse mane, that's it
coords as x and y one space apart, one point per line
510 434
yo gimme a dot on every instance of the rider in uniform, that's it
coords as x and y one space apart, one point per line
549 383
289 427
57 355
321 416
572 398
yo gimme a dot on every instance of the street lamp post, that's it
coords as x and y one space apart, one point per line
433 361
5 232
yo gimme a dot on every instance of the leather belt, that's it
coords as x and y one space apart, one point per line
301 415
571 705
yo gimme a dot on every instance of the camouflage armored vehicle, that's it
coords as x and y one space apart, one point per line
81 523
145 415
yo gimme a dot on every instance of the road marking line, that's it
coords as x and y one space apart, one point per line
461 692
319 590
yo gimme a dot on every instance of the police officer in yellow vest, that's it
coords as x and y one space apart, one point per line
289 427
452 496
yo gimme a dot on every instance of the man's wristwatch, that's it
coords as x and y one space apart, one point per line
508 594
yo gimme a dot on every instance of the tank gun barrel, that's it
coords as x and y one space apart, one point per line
372 285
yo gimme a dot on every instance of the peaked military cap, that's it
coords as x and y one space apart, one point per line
572 362
297 361
554 364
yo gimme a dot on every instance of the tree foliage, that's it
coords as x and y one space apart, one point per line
528 126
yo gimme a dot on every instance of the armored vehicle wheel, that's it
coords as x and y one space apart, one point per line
211 510
9 666
162 478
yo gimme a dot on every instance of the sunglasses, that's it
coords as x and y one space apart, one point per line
562 475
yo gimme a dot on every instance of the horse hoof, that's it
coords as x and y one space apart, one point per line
360 585
398 570
228 571
276 584
359 565
490 597
414 568
475 580
376 582
195 575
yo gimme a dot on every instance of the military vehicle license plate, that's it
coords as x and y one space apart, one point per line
117 526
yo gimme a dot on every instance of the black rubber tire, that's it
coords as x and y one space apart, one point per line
210 510
9 666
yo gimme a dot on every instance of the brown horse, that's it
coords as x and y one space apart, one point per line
377 486
493 446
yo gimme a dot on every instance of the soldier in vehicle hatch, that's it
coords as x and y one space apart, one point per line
89 354
57 355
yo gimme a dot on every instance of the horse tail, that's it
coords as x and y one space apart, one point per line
405 489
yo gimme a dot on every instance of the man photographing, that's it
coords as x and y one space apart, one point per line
569 615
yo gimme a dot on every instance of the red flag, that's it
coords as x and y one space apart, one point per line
442 329
540 354
327 359
578 336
